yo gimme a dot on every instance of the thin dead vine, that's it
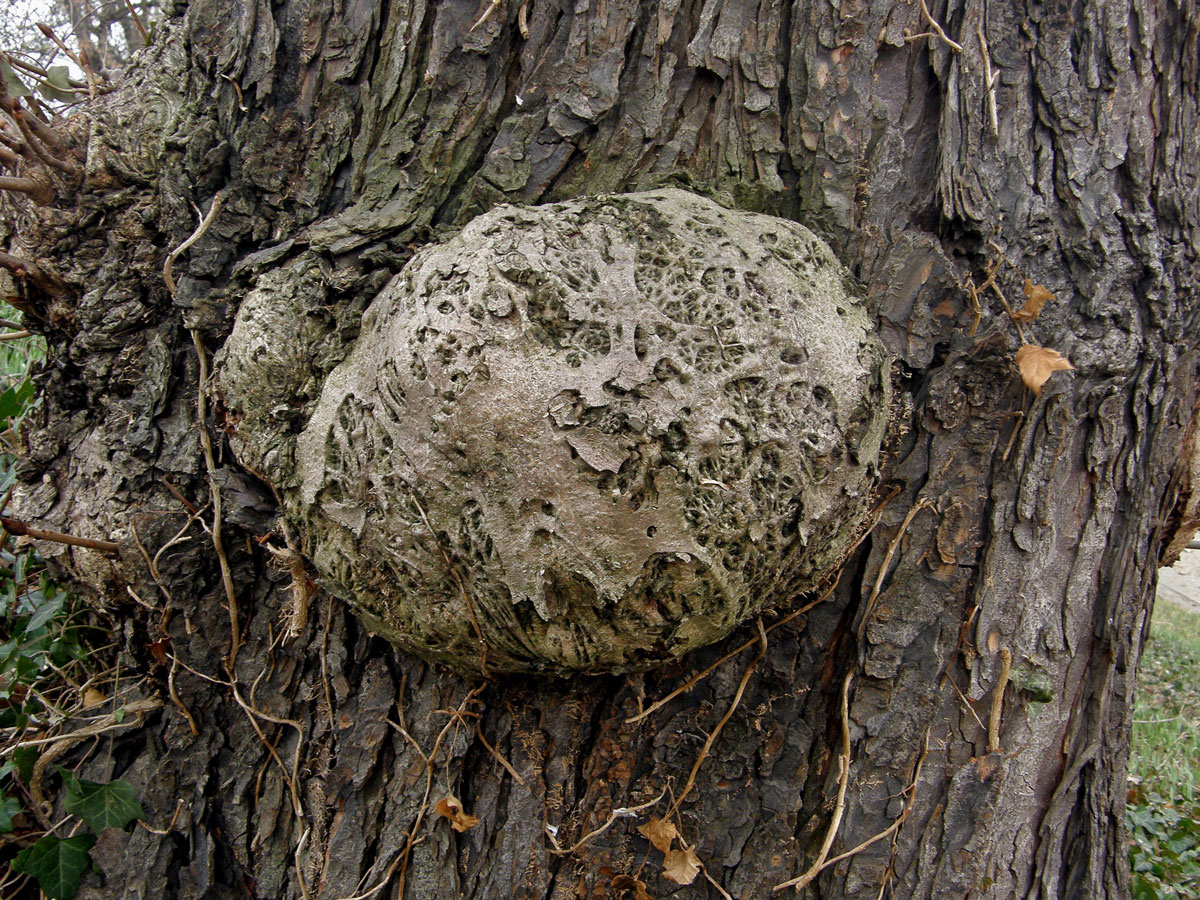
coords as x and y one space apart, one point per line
462 588
457 717
253 714
712 735
700 676
498 756
998 700
937 32
923 503
206 440
130 715
622 812
840 808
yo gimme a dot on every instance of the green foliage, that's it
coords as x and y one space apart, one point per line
112 805
38 638
8 808
57 86
1163 815
57 864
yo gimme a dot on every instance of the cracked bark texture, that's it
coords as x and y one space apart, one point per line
345 135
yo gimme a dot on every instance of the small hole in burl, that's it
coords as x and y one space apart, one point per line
651 531
445 307
793 355
547 508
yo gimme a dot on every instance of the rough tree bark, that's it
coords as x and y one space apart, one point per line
1052 142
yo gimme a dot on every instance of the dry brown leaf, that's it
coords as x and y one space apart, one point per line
659 833
450 808
987 765
1037 364
629 883
93 697
1035 298
681 866
158 649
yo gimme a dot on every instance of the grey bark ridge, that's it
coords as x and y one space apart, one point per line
628 424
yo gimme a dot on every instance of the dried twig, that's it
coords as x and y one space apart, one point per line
900 819
700 676
137 20
290 775
215 489
462 588
22 529
937 31
387 876
921 504
207 445
179 704
130 715
803 880
989 79
204 225
712 736
499 757
430 759
621 812
998 700
967 704
486 13
523 19
170 825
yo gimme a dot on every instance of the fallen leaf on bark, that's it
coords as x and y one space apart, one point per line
1037 364
450 808
987 765
629 883
681 866
158 649
93 697
1035 298
659 833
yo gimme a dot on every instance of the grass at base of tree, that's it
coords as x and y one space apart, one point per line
1163 812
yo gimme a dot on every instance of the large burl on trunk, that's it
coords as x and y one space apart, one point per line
946 715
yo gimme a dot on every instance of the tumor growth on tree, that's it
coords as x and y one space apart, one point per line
583 437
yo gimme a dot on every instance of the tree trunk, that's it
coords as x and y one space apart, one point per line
1018 534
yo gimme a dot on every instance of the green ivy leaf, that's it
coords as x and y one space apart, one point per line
8 808
57 864
112 805
12 82
44 614
14 401
26 759
57 85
